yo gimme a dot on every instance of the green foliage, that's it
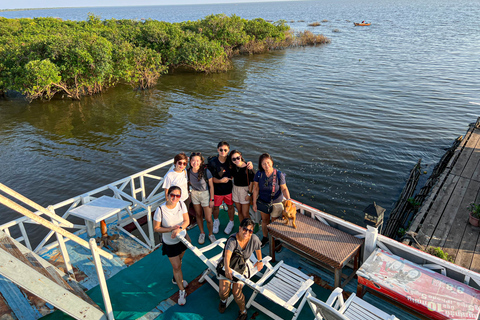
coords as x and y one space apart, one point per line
42 56
438 252
474 209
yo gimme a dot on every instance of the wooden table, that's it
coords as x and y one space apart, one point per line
430 294
98 210
318 242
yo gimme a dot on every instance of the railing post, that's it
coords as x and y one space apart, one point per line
151 234
101 279
371 236
63 248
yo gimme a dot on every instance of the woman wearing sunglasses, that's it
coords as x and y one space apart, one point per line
178 177
242 184
171 219
246 242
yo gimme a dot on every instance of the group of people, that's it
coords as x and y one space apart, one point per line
226 178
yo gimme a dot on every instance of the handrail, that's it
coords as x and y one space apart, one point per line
13 193
15 206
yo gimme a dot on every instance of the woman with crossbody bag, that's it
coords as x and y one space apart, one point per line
238 249
170 219
269 189
242 184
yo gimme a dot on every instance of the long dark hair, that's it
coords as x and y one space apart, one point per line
201 170
231 163
262 158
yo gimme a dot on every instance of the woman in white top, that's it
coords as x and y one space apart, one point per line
178 177
170 219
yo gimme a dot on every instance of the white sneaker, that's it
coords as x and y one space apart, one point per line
182 297
185 283
201 238
229 227
216 225
212 238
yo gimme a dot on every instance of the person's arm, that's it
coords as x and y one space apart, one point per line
259 263
285 192
223 180
228 271
212 194
255 195
183 226
249 165
158 228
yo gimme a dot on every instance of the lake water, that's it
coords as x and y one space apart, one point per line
346 121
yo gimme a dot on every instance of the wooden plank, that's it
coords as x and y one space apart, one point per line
466 153
17 302
426 204
466 251
434 214
458 242
473 161
23 276
449 213
476 173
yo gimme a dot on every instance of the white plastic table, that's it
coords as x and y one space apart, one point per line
98 210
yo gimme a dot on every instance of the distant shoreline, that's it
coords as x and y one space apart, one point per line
28 9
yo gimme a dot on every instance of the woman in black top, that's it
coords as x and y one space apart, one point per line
242 184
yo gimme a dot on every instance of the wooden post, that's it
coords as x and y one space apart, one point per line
371 236
101 279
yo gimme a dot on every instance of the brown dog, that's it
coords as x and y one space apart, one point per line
289 212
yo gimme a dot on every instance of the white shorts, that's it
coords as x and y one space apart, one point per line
201 197
239 194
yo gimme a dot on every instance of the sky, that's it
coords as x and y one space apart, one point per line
21 4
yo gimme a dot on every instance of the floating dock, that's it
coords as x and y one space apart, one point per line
443 218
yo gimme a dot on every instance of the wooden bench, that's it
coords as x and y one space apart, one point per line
318 242
353 309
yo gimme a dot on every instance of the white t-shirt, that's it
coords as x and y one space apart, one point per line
169 218
179 179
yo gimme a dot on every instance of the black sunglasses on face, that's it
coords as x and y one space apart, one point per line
223 150
247 230
236 159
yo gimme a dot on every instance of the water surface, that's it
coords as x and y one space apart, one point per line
346 121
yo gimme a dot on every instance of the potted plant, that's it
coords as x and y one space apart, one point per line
474 214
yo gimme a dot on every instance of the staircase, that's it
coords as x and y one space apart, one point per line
30 272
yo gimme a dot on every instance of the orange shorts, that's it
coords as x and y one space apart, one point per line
225 198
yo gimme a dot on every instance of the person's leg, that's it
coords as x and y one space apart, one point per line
199 214
177 270
223 292
238 296
216 212
265 222
245 210
238 205
231 211
208 217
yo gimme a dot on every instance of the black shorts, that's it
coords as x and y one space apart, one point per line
173 250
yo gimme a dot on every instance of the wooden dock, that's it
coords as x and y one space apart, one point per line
443 218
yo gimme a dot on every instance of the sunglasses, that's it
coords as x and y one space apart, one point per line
236 159
247 230
182 163
223 150
173 196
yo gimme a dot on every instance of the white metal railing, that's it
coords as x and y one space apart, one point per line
374 240
132 188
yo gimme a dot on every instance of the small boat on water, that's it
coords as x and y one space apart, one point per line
36 279
361 24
